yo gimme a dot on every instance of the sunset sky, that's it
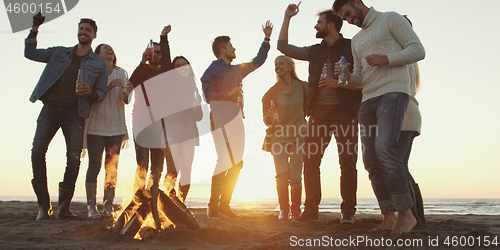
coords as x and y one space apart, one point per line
455 157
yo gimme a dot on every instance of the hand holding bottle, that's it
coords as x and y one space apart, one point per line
338 70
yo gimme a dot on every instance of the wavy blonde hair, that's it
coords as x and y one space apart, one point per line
290 62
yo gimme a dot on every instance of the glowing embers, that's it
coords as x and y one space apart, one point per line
138 215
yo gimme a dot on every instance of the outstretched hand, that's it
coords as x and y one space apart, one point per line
292 10
166 30
38 19
268 29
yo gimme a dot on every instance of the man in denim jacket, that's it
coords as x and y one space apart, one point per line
65 106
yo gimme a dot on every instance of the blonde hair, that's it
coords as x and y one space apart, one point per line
290 62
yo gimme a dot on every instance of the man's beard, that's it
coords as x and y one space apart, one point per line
153 63
359 16
322 33
84 42
231 57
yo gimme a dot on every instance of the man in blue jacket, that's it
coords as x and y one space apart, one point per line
221 84
66 106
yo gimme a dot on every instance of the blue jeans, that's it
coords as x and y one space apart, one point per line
380 120
96 144
405 143
49 121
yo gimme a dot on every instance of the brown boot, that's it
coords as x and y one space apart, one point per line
283 199
296 194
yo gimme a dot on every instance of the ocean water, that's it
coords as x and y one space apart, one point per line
332 205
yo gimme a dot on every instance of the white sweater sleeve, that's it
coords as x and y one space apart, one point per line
403 33
356 76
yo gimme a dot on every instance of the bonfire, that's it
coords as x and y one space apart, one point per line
165 209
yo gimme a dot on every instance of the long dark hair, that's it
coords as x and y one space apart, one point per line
191 73
98 50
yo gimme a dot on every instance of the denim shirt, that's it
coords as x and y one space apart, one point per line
94 72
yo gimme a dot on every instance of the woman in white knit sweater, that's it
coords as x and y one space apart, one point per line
409 130
105 129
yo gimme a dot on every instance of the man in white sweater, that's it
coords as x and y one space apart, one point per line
382 51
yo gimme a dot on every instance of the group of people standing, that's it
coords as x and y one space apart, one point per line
380 99
85 93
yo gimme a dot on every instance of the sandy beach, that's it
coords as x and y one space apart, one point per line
253 230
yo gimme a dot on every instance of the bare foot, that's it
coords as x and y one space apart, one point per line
406 222
388 223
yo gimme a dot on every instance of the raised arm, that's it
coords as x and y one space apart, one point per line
166 59
247 68
290 11
30 50
300 53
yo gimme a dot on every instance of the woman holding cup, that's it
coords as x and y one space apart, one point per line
105 129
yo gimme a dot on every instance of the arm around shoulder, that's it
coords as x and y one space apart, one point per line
101 82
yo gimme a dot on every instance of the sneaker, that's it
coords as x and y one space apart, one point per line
307 216
212 213
226 211
346 218
283 215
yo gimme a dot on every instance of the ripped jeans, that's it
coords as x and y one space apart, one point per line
49 121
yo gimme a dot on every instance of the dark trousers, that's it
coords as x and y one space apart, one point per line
142 156
96 144
325 121
49 121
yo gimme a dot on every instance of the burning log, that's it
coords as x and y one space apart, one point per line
127 214
135 223
132 218
176 210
